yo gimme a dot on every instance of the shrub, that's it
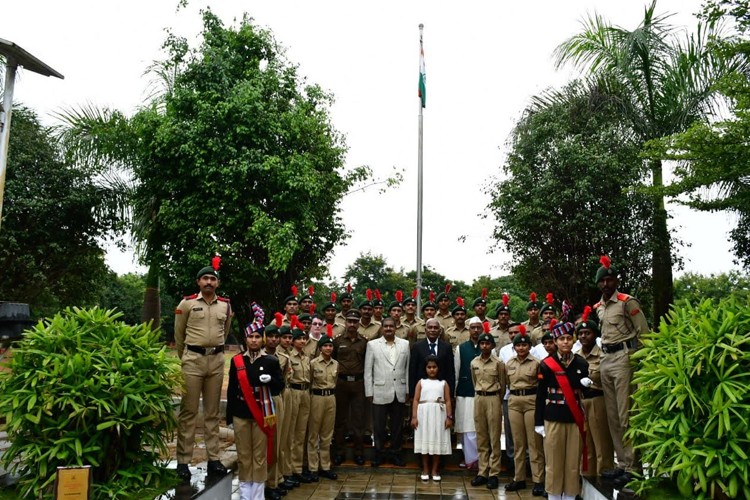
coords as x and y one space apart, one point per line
86 389
692 402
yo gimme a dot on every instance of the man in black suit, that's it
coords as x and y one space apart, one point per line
432 345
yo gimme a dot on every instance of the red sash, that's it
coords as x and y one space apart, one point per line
570 400
249 395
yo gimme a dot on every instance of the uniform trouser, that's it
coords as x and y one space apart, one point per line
274 470
251 450
521 411
488 416
598 439
562 454
286 437
203 375
320 431
298 427
617 375
508 427
380 416
349 396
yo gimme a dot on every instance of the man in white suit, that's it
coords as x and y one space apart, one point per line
386 374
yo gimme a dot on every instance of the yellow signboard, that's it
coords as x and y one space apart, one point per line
73 483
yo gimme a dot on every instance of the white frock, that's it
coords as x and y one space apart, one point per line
431 437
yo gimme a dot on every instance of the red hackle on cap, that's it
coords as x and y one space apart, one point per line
377 294
279 319
216 262
486 327
552 323
460 301
432 296
484 293
329 330
333 297
349 288
312 309
586 312
414 294
550 298
295 322
522 329
506 299
532 296
368 294
399 296
311 290
604 260
447 288
294 290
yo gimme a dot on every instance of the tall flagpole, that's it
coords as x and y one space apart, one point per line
422 99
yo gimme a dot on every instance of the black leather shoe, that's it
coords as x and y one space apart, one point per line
328 474
398 461
183 472
493 482
313 477
281 491
290 482
479 481
515 486
282 488
359 460
338 460
538 490
612 473
272 494
622 481
216 467
302 478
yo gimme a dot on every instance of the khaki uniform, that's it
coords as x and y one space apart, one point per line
535 332
598 438
350 390
200 326
417 327
621 321
404 331
323 376
445 321
370 331
490 382
298 390
311 348
455 336
522 380
283 418
501 336
338 329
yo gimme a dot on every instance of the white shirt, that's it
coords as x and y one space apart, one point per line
539 352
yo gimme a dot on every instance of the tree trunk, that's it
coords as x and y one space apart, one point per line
151 298
663 286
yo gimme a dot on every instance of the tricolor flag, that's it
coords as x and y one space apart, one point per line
422 75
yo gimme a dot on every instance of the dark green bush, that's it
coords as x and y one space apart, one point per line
692 403
86 389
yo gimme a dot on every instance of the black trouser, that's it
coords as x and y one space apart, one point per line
350 396
380 416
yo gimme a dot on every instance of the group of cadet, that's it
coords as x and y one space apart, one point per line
562 401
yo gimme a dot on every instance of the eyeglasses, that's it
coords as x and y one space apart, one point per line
317 323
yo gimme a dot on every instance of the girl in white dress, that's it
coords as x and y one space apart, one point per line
431 419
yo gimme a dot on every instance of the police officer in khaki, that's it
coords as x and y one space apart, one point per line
622 321
489 378
298 390
523 371
444 313
200 328
323 375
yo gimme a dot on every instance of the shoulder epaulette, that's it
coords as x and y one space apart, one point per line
223 299
190 297
623 297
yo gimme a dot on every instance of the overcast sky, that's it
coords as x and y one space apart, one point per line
484 61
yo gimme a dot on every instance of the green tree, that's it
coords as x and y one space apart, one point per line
694 288
663 84
54 218
124 293
563 201
237 156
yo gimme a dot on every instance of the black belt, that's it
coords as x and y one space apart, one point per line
206 350
592 393
487 393
352 378
610 348
323 392
300 387
523 392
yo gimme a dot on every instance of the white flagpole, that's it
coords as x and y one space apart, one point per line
419 187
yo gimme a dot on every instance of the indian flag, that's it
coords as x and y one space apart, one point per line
422 75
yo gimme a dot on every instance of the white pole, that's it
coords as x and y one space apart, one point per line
5 113
419 194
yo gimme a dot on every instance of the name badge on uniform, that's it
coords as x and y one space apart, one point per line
197 309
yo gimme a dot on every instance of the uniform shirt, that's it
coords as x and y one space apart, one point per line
488 375
620 318
445 321
311 348
280 354
522 374
417 328
338 329
370 331
323 373
256 366
201 323
594 359
403 331
575 371
300 364
340 318
501 336
535 332
539 352
350 354
455 336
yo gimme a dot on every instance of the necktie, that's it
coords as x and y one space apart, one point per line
433 349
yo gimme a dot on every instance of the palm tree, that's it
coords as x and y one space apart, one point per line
664 82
